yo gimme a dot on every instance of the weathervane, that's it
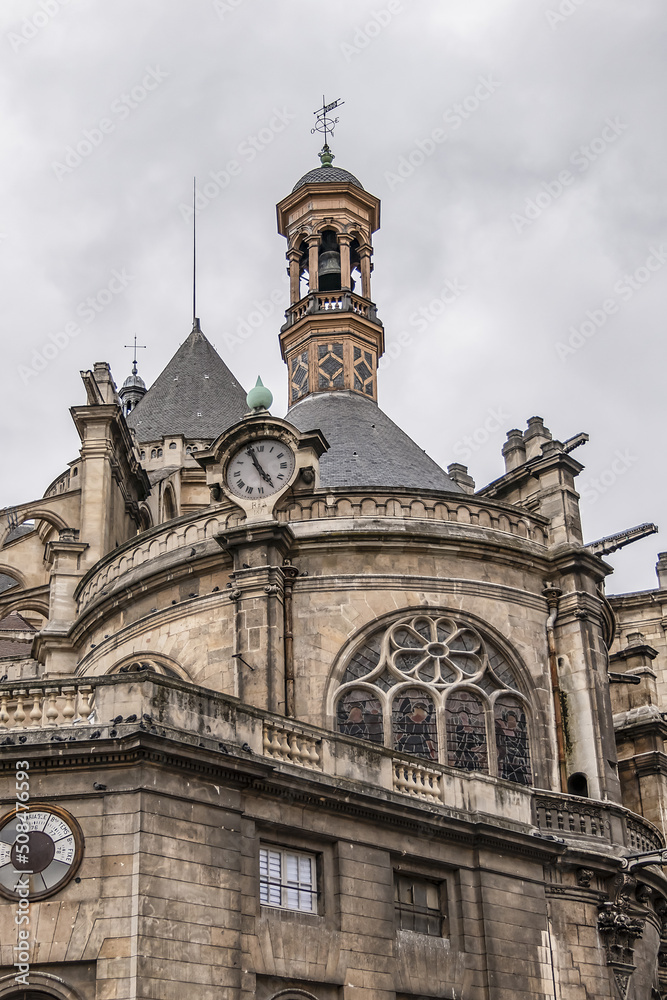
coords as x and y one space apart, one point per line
135 347
323 123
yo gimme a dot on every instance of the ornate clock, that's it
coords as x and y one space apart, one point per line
260 467
44 845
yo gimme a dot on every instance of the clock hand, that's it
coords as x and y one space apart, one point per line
265 476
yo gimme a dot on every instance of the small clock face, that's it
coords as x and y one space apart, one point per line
41 847
260 468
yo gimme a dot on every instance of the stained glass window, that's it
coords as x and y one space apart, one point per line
466 732
443 657
414 726
512 740
359 714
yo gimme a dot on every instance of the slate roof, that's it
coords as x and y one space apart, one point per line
196 395
15 622
6 582
15 647
328 175
366 447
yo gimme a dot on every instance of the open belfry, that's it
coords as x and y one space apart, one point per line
288 711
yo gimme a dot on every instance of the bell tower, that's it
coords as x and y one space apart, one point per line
332 337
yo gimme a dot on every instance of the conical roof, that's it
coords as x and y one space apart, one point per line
366 447
196 395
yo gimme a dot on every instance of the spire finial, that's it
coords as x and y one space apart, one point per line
326 125
194 253
135 347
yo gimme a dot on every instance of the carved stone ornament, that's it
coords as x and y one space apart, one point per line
585 877
620 922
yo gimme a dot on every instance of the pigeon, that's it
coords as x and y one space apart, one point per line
23 739
96 735
3 678
58 739
131 718
7 742
99 787
247 749
222 748
117 721
147 718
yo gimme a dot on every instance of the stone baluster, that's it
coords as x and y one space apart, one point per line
19 713
4 714
36 710
86 706
69 711
52 710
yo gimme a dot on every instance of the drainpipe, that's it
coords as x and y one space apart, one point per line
290 574
552 595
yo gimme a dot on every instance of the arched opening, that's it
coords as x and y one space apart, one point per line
328 268
168 504
577 784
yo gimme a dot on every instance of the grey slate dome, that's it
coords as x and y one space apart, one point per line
366 447
328 175
134 382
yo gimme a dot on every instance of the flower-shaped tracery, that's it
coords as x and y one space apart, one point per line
433 686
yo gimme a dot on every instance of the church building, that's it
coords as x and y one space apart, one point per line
289 712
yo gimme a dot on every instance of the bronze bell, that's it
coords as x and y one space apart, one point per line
328 271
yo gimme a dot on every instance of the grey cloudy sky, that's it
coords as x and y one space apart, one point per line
518 147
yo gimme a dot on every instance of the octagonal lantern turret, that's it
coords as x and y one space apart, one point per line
332 338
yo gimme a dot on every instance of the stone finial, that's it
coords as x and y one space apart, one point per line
635 639
459 474
661 570
514 450
535 436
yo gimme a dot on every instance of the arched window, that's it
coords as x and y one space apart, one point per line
441 683
413 723
512 740
465 715
359 714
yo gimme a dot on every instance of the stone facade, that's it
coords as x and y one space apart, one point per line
318 739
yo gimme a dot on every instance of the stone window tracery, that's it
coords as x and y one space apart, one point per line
434 686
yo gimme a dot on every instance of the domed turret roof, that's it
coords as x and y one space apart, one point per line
133 381
327 174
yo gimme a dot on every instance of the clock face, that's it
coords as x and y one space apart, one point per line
41 847
259 468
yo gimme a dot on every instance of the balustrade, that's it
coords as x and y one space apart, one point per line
291 745
47 707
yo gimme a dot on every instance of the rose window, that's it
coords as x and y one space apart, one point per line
435 687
